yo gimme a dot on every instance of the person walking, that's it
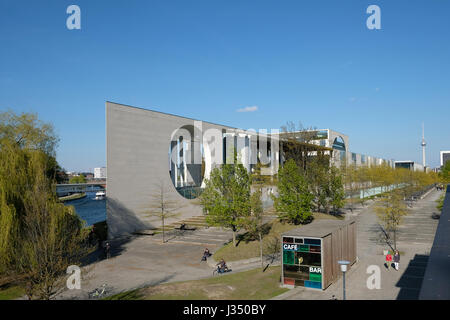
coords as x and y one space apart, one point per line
388 259
107 250
396 259
206 254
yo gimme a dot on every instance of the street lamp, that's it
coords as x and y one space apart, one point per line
343 264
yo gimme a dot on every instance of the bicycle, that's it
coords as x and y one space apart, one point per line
217 270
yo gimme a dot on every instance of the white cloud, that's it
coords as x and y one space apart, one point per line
352 99
248 109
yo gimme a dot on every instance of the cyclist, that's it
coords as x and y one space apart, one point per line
222 266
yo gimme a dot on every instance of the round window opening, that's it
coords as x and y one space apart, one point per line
186 162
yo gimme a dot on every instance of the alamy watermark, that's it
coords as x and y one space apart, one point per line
74 20
74 280
374 280
374 20
216 146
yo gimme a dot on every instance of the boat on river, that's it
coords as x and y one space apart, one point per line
100 195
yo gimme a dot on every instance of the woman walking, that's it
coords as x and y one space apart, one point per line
396 259
388 260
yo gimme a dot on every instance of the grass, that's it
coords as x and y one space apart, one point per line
233 286
74 196
440 201
248 248
11 293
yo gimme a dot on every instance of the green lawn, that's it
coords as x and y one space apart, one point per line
247 249
252 285
11 293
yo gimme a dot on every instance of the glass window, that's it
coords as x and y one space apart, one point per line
315 277
288 240
288 257
323 134
339 144
299 283
308 259
304 248
312 241
298 240
296 272
313 284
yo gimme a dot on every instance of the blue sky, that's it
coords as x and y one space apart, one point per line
309 61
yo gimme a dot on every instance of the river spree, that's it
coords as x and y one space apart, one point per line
89 209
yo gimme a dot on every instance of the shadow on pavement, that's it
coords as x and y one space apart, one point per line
117 247
411 279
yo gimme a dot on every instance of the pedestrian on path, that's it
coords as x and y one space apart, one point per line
396 259
388 260
107 250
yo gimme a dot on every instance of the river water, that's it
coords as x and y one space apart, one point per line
93 211
89 209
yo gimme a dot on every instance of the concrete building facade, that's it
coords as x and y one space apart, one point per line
100 173
408 164
149 151
444 157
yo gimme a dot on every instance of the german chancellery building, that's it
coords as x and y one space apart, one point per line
146 149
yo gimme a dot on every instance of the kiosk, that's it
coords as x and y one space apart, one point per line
311 253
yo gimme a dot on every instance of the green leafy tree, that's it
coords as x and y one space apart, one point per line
336 189
28 132
53 239
38 236
254 222
363 181
445 172
318 180
351 178
226 197
78 179
294 200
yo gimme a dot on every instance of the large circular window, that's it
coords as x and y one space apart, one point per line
186 162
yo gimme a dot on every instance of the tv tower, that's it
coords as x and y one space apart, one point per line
424 144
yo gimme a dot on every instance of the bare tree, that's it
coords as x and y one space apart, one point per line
298 143
390 211
162 206
273 247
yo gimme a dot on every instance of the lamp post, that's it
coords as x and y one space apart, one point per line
343 264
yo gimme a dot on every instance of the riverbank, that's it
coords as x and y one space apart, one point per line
74 196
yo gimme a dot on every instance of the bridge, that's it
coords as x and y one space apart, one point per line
70 188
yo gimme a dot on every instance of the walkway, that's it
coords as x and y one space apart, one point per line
415 239
139 261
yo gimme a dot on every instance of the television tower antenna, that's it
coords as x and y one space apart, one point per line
424 144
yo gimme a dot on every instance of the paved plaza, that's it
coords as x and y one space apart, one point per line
415 240
139 261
